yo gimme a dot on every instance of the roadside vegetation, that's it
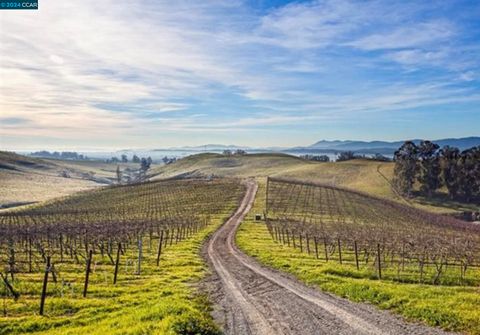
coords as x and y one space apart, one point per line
451 307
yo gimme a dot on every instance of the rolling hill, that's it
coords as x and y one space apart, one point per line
25 180
360 174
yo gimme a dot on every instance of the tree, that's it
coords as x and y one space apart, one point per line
405 168
429 167
167 160
114 160
469 177
450 168
124 158
135 159
381 158
240 152
119 174
227 152
319 158
145 164
345 156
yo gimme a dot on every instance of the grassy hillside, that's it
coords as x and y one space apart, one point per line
355 173
359 174
25 179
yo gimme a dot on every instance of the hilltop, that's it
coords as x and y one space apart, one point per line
365 175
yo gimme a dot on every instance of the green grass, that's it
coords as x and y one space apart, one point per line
455 308
161 300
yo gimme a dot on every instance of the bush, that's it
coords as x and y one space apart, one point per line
191 323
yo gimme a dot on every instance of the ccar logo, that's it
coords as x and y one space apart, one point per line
19 4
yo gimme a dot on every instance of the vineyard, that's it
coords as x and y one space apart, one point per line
375 238
114 235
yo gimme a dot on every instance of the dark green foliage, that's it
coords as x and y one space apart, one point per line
432 168
469 178
450 167
429 167
405 167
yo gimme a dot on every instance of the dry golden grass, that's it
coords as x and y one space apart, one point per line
368 176
31 187
25 179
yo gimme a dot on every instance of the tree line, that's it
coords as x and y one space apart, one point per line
59 155
431 168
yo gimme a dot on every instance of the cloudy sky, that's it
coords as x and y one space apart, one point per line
85 74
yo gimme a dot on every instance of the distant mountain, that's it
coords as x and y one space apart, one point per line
327 147
384 146
206 147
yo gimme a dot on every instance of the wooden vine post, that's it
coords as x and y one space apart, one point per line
379 264
87 273
159 251
44 287
117 262
29 255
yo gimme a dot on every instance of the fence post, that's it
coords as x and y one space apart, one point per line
117 262
316 246
29 254
159 251
379 264
87 273
44 288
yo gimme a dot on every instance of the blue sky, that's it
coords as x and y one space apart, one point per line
147 74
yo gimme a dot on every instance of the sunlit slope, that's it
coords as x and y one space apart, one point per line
357 174
368 176
25 179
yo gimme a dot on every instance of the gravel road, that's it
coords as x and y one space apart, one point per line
252 299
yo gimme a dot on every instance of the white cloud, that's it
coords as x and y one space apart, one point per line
110 68
412 35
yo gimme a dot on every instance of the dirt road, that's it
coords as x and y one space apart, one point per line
252 299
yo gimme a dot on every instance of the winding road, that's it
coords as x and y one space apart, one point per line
252 299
